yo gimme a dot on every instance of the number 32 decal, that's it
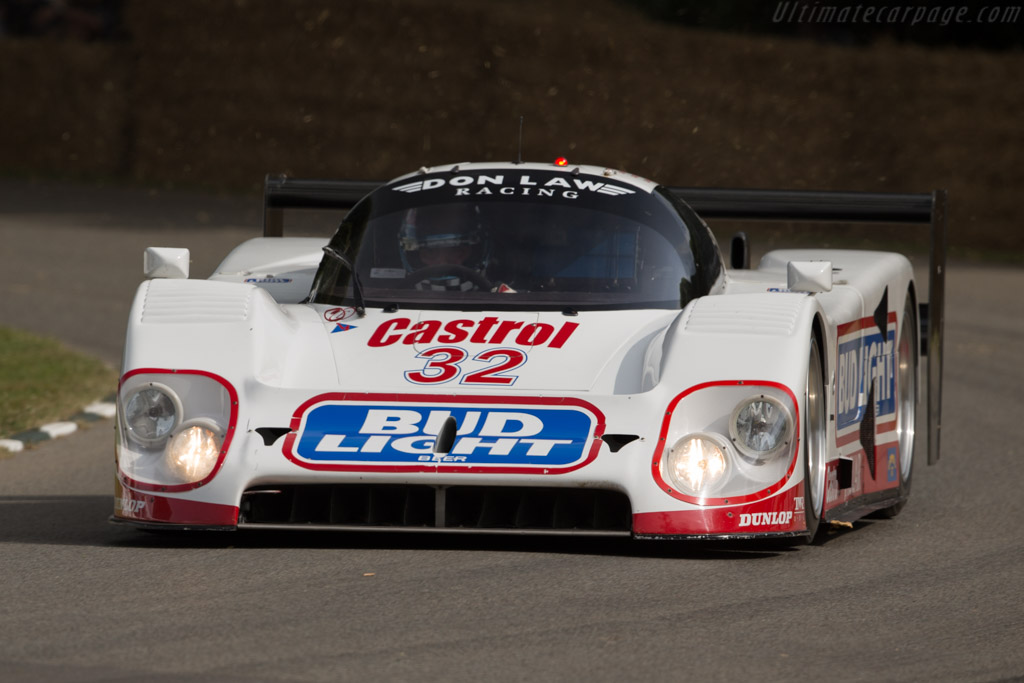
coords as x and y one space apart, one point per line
444 363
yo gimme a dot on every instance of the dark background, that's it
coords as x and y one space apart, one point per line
213 94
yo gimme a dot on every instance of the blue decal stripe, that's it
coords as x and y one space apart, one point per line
389 434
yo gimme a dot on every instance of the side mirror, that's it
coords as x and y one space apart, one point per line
809 276
165 262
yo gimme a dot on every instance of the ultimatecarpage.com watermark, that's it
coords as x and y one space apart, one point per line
791 12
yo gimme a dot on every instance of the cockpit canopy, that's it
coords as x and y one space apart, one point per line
506 238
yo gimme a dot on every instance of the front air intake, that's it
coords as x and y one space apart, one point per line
437 508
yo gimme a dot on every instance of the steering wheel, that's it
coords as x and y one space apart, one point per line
451 269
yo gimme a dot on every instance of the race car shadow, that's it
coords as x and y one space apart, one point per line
83 520
834 533
412 540
55 520
476 542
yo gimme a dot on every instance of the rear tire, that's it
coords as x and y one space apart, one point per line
906 388
815 445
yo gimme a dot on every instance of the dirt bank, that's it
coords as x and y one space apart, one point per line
215 94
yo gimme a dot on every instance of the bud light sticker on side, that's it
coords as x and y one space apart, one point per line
399 434
865 367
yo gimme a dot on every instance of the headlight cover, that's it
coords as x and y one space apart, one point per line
728 442
761 427
174 428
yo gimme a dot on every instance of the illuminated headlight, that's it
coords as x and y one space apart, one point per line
151 413
694 464
192 452
174 427
761 428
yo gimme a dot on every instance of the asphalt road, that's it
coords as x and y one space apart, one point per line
936 594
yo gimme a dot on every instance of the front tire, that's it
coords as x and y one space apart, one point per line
815 443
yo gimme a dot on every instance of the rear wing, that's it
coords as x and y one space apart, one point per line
776 205
281 192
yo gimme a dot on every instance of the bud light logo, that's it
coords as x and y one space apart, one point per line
362 435
865 364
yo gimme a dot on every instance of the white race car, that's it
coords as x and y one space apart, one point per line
531 348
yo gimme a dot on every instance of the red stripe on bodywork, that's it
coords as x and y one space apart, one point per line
862 324
146 507
726 520
848 438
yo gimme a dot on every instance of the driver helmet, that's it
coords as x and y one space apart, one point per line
443 235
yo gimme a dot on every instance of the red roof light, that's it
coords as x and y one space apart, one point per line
561 161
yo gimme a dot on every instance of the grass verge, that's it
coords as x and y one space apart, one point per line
42 381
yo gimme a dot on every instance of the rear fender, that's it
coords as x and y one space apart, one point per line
283 266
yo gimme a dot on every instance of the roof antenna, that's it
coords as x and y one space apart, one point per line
520 140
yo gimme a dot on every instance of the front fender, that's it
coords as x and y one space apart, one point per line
234 329
717 354
763 336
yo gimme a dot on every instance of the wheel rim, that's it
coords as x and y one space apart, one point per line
907 382
815 430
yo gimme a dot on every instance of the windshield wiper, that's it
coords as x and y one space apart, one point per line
340 258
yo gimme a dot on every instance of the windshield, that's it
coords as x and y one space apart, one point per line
501 239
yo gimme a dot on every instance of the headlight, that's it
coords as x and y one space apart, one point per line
192 453
762 428
726 440
151 413
694 464
174 428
